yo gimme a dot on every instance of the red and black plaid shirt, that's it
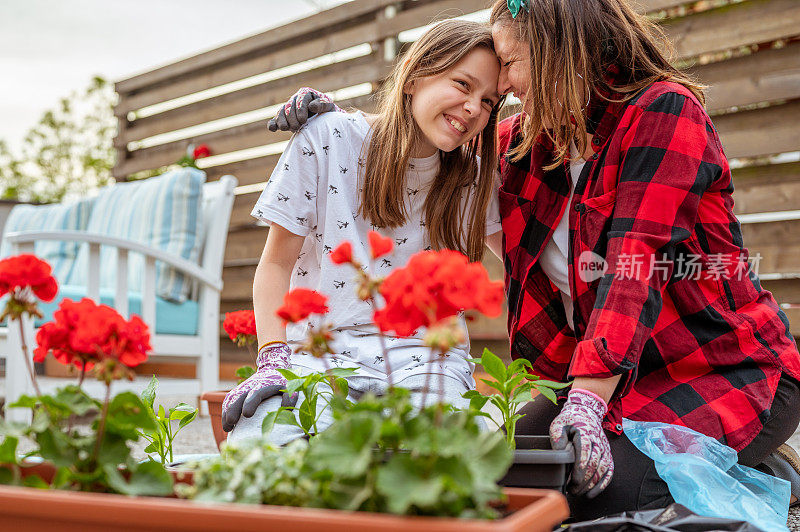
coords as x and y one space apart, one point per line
705 351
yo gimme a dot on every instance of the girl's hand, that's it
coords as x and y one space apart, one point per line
301 106
581 422
263 384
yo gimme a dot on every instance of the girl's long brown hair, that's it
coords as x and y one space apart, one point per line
395 134
572 38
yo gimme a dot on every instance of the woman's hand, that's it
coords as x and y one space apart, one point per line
301 106
581 421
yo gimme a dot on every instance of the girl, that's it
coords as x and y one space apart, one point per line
411 171
625 266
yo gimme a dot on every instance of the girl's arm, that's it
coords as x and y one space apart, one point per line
271 281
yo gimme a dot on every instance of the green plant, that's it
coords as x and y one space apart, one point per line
514 384
243 373
95 460
379 455
161 437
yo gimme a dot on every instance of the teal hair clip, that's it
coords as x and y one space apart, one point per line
515 6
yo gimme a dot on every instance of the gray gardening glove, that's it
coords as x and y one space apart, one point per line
263 384
581 421
305 103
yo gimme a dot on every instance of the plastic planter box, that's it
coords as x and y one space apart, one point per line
537 465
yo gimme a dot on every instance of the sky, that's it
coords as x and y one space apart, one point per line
51 48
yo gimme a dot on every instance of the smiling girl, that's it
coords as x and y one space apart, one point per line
412 172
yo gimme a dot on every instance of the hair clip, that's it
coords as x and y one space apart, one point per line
515 6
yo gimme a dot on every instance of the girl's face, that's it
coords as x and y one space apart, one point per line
515 63
451 108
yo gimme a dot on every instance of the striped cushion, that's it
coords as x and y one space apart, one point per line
72 216
161 212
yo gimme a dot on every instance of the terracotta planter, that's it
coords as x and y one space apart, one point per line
214 400
35 510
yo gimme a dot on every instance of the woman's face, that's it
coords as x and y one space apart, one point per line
515 63
451 108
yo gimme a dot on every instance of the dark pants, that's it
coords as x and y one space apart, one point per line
636 484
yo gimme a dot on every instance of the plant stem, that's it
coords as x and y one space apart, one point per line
427 381
28 363
102 426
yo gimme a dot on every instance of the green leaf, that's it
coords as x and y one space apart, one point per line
346 447
245 372
152 447
162 413
342 372
494 366
477 400
500 387
149 394
146 478
127 412
342 388
288 374
547 392
286 417
307 413
404 482
35 481
269 422
553 385
187 419
522 393
180 411
294 385
8 450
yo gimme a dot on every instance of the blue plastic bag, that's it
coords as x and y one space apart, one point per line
703 475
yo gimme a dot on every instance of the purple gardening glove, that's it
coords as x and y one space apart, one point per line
263 384
305 103
581 422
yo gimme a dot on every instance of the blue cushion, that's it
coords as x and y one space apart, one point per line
72 216
163 212
171 318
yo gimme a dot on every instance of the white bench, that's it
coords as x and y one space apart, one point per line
205 277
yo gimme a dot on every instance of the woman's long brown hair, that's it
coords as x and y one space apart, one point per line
572 38
395 135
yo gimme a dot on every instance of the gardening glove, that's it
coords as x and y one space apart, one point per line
305 103
263 384
580 421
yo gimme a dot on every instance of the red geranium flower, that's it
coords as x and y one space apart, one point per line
85 333
379 245
299 303
240 323
27 271
201 151
343 254
435 285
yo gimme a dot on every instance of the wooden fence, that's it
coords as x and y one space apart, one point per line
748 52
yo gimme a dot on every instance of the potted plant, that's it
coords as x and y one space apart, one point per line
536 464
380 455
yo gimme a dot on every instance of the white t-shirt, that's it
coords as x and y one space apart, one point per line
554 257
314 192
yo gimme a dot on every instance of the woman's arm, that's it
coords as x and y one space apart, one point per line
271 281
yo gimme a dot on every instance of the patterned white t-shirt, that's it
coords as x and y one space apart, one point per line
314 192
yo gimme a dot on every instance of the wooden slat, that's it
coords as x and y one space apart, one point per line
234 71
784 290
794 320
240 214
767 188
246 243
734 25
312 25
324 43
785 233
247 172
775 258
328 78
238 283
764 76
226 140
761 131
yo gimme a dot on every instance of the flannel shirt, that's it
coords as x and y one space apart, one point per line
705 351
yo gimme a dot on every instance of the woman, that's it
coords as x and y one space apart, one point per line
625 267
